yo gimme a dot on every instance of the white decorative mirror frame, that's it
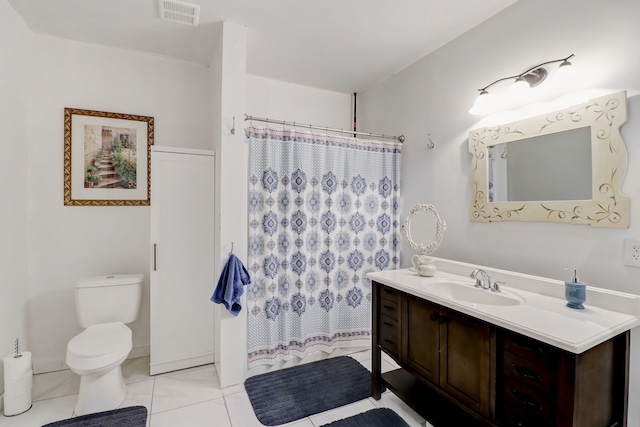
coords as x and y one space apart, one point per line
608 206
422 248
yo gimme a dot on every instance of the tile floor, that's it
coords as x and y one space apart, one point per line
191 397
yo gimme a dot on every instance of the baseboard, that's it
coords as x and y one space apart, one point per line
175 365
142 351
43 366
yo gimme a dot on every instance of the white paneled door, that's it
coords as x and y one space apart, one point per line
182 264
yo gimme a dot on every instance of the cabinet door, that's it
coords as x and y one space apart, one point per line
182 276
421 337
465 360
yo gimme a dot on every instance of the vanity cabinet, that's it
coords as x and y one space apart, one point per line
448 349
458 370
539 385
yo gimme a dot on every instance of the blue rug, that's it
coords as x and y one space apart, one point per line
132 416
382 417
290 394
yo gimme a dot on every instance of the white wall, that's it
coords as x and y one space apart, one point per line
277 100
229 69
15 43
49 245
263 98
434 96
67 242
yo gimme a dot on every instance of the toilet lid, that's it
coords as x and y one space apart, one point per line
98 340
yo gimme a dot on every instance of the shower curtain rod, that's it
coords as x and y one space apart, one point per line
294 124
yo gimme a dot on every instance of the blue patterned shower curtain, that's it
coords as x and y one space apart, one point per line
323 212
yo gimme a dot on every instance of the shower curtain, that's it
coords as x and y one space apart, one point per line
323 212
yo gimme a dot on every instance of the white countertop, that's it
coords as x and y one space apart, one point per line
542 314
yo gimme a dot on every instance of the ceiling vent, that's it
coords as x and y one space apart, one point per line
179 11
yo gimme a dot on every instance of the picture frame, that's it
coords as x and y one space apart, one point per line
107 158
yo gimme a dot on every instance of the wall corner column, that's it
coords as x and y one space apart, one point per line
228 69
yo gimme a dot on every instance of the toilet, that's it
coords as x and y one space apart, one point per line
103 305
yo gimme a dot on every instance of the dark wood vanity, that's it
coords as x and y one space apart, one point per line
459 371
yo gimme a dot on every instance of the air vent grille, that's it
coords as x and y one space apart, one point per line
179 11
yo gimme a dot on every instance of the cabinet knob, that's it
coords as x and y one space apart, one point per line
440 318
443 319
527 400
527 373
533 349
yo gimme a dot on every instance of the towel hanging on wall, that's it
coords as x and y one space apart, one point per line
230 285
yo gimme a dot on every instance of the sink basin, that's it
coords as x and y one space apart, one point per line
469 293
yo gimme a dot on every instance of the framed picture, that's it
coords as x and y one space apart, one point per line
107 158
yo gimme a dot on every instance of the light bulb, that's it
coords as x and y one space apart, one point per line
482 104
520 87
565 70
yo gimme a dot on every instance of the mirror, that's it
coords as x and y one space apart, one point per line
565 166
423 229
523 171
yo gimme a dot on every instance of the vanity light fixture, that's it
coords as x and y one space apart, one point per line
523 82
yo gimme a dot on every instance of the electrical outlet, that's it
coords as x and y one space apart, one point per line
632 252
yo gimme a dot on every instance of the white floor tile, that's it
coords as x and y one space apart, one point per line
43 412
342 412
393 402
205 414
190 397
238 388
387 365
185 388
362 356
55 384
240 410
134 370
366 363
388 360
139 393
242 415
300 423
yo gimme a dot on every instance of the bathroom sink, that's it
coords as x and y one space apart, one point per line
468 293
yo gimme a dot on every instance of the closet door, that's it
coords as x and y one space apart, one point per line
182 258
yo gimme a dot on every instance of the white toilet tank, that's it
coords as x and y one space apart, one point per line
104 299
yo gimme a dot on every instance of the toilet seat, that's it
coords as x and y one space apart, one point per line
99 345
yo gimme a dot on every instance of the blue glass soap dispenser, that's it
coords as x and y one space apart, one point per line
575 291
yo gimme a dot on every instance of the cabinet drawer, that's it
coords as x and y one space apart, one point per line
524 420
389 335
527 403
389 294
533 350
528 373
390 308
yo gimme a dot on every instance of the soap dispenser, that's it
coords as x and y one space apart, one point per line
575 292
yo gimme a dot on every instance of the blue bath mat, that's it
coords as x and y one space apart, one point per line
382 417
132 416
290 394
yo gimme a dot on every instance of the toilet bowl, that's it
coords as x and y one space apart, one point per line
103 305
96 355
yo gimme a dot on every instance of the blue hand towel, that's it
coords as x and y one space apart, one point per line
230 285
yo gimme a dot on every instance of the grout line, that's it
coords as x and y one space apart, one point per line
153 392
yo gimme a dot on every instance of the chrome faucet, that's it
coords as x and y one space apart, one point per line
482 278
